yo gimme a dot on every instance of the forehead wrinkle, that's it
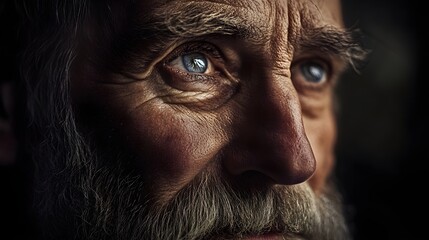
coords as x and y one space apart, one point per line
291 20
305 19
286 27
300 25
302 16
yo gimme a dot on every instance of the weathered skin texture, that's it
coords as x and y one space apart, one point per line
252 117
173 119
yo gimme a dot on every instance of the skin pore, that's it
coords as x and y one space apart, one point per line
203 120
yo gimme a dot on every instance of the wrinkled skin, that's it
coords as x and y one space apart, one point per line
258 117
253 113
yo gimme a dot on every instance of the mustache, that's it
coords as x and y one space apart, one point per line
210 208
119 204
110 200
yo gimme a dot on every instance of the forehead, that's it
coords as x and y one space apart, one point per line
321 11
260 20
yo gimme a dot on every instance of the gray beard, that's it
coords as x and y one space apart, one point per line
109 202
209 208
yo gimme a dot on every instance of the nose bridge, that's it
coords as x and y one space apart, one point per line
272 139
275 104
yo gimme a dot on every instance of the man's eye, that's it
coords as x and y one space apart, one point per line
311 75
195 74
314 72
196 63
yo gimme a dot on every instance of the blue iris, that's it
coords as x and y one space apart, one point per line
195 62
313 72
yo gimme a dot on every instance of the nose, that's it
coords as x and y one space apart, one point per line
270 138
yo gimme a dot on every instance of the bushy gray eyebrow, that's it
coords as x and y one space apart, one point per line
193 19
197 19
332 41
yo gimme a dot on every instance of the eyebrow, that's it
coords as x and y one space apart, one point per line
197 19
332 41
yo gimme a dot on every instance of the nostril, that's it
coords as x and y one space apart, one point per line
282 160
257 170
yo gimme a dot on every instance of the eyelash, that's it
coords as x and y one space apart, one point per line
217 60
186 81
210 51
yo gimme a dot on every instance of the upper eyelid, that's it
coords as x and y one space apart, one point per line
327 57
330 72
325 61
335 62
216 56
206 48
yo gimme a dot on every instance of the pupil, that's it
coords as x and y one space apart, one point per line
313 72
195 63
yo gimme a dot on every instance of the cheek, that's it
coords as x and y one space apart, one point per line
168 145
171 146
321 133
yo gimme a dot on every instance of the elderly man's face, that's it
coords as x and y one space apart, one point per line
235 96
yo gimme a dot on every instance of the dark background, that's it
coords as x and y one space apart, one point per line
382 129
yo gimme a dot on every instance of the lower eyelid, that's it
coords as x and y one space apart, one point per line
187 81
203 95
305 87
191 77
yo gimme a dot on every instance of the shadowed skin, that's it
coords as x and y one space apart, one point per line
253 112
245 129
